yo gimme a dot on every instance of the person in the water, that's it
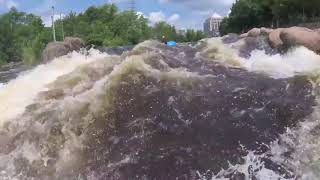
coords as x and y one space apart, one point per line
164 40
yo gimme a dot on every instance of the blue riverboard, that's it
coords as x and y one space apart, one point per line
171 43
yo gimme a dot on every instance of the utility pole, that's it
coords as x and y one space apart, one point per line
132 5
53 28
62 27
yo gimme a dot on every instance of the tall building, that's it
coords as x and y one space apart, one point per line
212 24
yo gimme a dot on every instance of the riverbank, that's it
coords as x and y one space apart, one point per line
11 71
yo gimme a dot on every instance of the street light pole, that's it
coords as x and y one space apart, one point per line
53 28
62 26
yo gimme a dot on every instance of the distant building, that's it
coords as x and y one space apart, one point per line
211 25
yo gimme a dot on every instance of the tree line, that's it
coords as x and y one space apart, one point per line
23 36
246 14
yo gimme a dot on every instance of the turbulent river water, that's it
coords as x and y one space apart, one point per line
197 112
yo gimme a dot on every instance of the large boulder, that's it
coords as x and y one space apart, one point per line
244 35
255 32
74 43
57 49
299 36
274 38
266 30
54 50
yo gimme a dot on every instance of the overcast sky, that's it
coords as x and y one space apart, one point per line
182 13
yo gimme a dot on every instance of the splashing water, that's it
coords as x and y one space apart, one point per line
158 112
298 149
299 61
21 92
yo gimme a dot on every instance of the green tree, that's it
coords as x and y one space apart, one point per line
246 14
164 29
17 30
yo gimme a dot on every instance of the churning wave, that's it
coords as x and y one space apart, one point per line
158 112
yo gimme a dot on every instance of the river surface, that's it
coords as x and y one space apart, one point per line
191 112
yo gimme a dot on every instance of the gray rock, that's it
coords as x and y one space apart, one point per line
256 43
74 43
57 49
117 50
230 38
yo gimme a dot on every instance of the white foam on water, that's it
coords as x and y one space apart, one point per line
253 166
20 92
299 61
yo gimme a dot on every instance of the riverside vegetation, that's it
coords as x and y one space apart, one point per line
247 14
23 36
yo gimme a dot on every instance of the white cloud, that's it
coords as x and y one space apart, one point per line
173 19
203 7
155 17
47 21
139 13
9 3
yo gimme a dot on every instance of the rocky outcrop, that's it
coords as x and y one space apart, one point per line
266 30
117 50
243 35
285 38
57 49
230 38
255 32
255 43
274 38
74 43
299 36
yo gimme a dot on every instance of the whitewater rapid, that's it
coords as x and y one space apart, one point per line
59 119
20 92
302 141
